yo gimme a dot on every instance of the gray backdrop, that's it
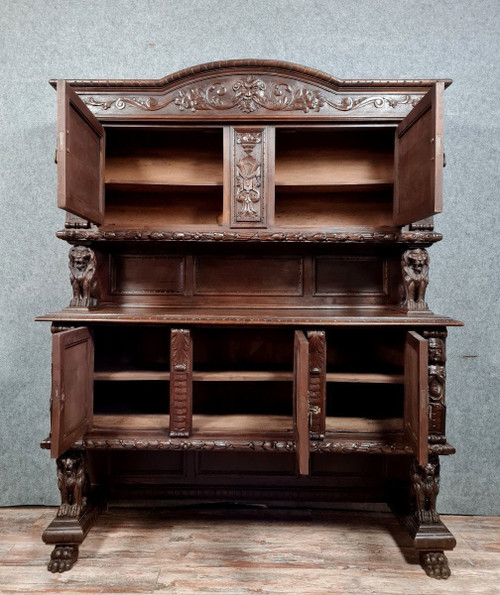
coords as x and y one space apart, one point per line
148 39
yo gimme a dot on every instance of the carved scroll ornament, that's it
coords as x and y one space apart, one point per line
415 265
83 278
251 93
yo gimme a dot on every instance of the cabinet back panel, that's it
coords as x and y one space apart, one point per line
333 209
164 209
334 156
164 156
247 279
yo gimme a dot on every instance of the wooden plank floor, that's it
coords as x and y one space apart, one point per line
241 551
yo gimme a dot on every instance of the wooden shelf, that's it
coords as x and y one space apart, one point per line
247 376
364 378
361 424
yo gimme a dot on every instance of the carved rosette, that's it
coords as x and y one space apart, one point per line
248 176
181 398
83 277
437 382
415 272
317 383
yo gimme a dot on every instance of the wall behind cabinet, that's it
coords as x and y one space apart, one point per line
364 39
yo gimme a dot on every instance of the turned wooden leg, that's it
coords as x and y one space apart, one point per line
62 558
435 564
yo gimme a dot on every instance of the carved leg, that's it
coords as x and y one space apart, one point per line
62 558
435 564
78 511
425 489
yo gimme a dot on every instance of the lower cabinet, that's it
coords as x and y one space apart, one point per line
296 388
249 414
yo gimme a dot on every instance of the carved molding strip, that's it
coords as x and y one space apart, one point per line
86 235
179 444
437 381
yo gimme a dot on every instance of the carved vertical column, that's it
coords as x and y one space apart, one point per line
83 277
181 383
249 176
415 271
317 384
437 384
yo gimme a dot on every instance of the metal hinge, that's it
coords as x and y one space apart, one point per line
315 410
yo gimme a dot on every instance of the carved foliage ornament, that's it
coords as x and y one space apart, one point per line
250 94
248 176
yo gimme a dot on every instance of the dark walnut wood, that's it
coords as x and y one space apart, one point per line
249 265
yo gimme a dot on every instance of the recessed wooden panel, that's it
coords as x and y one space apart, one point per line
350 276
72 387
246 463
146 274
242 275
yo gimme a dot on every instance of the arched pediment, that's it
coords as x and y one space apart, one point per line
251 88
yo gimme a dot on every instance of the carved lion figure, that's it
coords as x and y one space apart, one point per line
415 278
425 485
73 483
82 275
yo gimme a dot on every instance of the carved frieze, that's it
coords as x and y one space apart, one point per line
415 265
347 237
83 277
253 94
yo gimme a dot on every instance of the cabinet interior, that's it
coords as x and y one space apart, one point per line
163 177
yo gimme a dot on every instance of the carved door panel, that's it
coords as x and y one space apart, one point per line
72 387
418 175
301 401
416 416
251 181
80 157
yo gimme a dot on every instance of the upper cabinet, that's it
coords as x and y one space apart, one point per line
239 145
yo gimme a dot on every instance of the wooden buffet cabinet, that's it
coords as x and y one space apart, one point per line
248 323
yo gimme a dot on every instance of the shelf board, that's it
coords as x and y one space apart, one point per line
247 376
362 424
169 187
365 378
333 187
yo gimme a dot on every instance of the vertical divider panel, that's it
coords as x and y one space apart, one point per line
317 384
301 401
181 383
251 183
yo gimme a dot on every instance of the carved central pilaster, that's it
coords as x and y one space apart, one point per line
248 172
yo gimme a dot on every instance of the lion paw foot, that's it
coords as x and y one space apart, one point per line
62 558
435 564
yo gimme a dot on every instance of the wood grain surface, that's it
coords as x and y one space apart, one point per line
245 550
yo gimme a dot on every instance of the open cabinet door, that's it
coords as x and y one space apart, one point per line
416 416
72 387
418 158
80 157
301 401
